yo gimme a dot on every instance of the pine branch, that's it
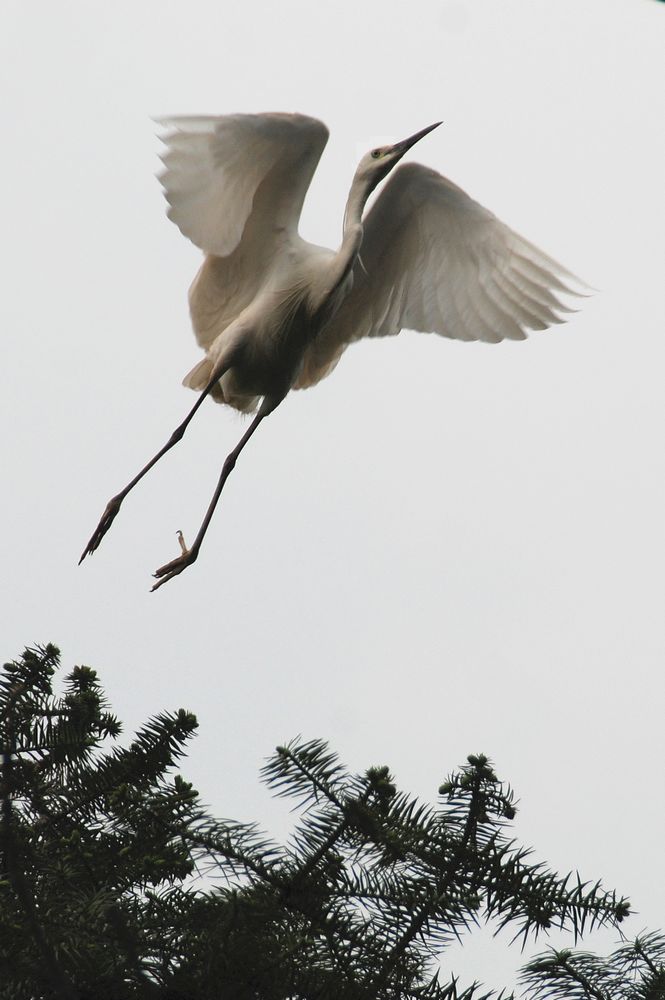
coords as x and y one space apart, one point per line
305 770
59 980
420 919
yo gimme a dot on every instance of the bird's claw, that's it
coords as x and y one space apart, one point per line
176 566
181 543
107 519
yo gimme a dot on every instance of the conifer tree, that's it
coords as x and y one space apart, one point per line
99 844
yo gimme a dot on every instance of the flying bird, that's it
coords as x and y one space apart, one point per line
273 312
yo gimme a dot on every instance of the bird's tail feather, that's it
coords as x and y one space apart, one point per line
201 374
199 377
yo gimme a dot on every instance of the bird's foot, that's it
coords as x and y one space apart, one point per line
176 566
107 519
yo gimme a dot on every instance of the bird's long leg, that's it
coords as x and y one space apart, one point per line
176 566
113 506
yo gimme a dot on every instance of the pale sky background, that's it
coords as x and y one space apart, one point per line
445 548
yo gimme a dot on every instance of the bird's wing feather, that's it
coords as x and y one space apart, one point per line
214 166
434 260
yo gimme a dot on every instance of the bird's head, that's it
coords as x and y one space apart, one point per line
378 163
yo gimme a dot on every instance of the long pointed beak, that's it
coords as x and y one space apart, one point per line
406 144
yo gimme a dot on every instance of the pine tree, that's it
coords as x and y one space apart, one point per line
99 843
635 971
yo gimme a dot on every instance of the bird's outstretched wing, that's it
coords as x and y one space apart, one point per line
434 260
235 186
215 166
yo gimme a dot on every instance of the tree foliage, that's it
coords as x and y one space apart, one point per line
100 844
635 971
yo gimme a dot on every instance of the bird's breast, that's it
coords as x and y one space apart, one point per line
270 338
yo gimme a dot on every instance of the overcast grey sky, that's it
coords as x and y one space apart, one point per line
444 548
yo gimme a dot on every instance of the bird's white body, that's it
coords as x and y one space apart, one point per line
273 312
267 338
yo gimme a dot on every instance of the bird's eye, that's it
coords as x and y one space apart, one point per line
376 153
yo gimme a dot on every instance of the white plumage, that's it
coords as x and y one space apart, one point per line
274 312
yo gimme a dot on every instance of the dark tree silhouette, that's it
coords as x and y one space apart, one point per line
99 845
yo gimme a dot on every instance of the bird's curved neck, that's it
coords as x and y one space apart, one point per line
352 232
355 203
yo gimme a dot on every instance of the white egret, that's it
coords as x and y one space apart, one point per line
275 313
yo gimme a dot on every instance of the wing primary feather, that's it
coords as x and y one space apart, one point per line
215 166
439 262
